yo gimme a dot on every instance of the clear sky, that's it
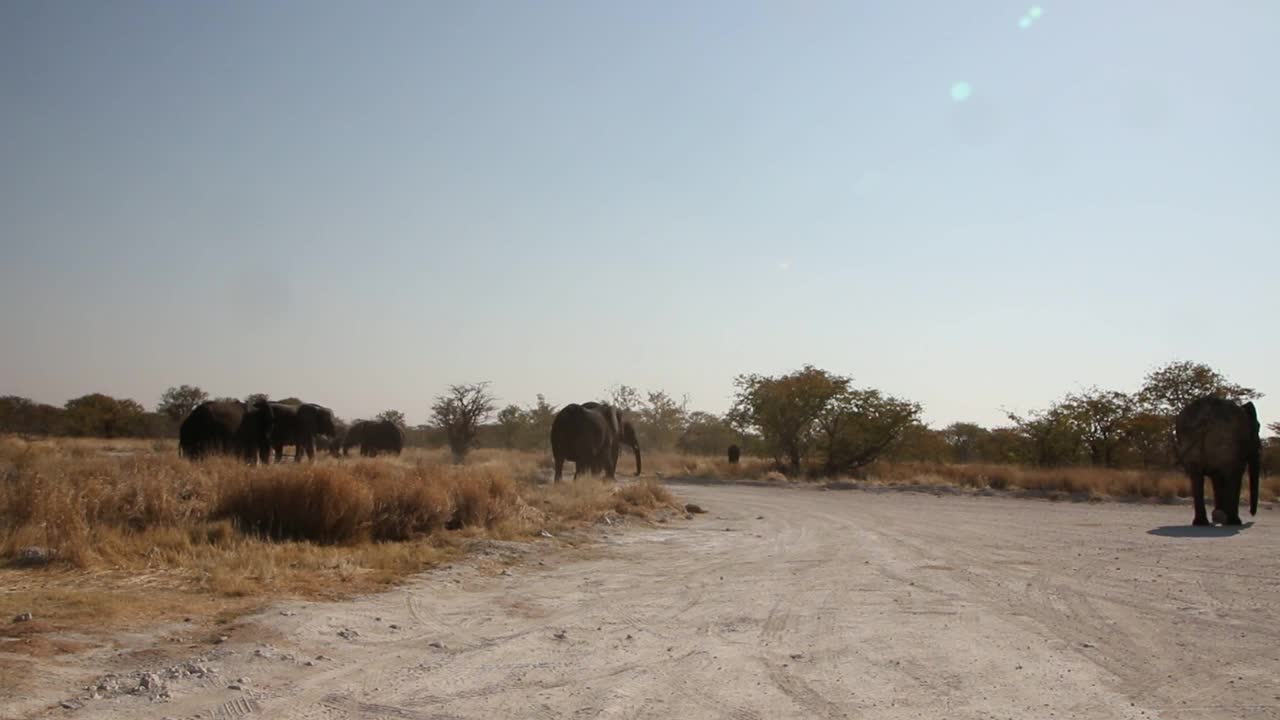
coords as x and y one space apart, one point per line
360 203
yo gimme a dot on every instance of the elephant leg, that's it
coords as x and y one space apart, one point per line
311 449
1197 494
1219 513
1231 498
559 468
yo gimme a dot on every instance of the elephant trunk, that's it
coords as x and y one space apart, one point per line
1255 462
636 449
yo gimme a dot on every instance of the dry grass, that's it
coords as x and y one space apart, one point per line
1094 483
1079 482
138 534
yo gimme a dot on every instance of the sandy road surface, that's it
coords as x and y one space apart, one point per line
798 603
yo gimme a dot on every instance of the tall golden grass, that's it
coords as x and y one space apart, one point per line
124 505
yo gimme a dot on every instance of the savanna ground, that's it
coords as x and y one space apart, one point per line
139 539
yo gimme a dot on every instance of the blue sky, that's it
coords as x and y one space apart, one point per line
359 204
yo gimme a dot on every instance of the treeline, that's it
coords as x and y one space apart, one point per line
809 420
1094 426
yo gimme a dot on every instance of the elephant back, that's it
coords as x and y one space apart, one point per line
1213 432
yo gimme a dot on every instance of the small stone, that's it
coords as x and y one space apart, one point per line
797 656
560 635
34 555
310 663
694 509
436 644
288 613
71 705
759 517
348 634
221 639
394 626
22 617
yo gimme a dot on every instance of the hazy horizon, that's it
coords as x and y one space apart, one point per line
360 205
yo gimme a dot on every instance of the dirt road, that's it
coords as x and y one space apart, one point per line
796 603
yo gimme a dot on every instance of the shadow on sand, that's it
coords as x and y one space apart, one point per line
1199 531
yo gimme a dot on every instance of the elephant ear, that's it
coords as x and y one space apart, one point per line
1251 412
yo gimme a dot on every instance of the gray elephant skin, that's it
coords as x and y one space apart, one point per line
735 452
298 425
626 432
354 436
589 435
1218 438
381 436
227 427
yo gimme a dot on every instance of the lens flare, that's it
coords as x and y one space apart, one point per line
960 91
1035 12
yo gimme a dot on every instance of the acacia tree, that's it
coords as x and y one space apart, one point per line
100 415
394 416
1100 418
1147 435
1051 435
460 412
625 398
178 402
539 417
512 421
965 440
1169 388
706 434
662 419
857 425
783 408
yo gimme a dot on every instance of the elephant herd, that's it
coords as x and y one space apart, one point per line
253 430
1215 438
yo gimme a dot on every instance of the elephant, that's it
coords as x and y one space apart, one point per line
354 436
1219 438
735 452
626 432
589 435
381 435
298 425
331 444
228 426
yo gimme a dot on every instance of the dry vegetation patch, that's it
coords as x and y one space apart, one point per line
130 536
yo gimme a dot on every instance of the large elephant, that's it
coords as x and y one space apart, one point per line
589 435
354 436
228 427
381 436
298 425
1219 438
